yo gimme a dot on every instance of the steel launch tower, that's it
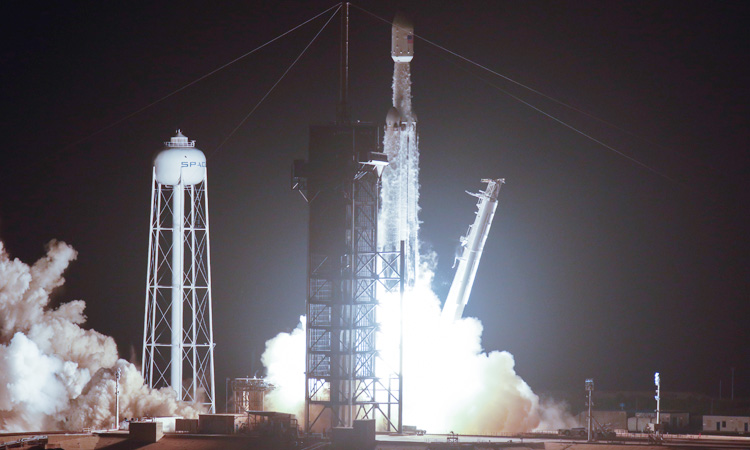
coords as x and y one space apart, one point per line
178 346
400 194
345 379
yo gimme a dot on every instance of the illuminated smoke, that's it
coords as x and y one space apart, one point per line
284 359
450 382
56 375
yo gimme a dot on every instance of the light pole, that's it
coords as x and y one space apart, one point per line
657 382
589 389
117 399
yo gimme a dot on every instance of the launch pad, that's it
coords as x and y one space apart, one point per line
174 441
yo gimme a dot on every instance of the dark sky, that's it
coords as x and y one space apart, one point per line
595 266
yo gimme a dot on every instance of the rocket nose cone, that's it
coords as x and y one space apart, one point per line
401 21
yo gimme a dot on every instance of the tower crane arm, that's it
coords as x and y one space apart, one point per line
473 244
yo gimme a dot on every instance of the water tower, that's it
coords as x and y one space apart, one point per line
178 344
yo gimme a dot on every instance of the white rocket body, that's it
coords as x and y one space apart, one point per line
400 182
402 39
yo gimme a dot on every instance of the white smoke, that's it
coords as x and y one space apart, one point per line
450 382
56 375
284 359
555 415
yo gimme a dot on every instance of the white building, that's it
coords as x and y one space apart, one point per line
726 424
672 421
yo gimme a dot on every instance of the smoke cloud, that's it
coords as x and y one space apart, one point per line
450 382
284 360
55 374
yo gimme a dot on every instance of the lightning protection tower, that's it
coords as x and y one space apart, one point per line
178 344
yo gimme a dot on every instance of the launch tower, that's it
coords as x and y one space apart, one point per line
178 346
340 180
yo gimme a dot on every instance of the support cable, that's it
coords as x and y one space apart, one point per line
560 121
134 113
277 81
505 77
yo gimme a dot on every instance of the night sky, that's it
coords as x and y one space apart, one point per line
596 266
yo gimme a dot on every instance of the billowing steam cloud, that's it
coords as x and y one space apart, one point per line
450 382
56 375
284 359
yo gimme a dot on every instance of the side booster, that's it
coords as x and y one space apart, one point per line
473 244
402 39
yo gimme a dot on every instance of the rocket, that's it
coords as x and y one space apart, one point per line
402 39
402 52
398 218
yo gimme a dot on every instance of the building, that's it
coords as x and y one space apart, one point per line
726 424
613 420
672 421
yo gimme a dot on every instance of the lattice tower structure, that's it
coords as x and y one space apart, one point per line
248 394
345 380
178 345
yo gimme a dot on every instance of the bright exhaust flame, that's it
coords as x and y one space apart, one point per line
450 382
56 375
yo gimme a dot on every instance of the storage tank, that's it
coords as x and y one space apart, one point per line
180 162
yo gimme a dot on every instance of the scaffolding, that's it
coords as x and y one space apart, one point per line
345 378
248 394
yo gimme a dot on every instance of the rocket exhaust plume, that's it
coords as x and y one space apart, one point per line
450 382
55 374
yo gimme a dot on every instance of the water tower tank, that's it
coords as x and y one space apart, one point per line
180 162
